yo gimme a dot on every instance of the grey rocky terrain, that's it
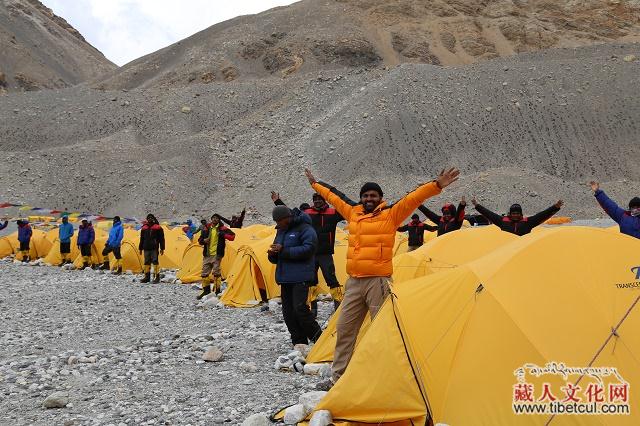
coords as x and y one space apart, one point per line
117 352
40 50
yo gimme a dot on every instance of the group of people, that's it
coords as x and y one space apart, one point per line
300 249
304 245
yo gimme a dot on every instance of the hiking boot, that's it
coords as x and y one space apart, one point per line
85 265
118 271
105 266
25 259
147 277
325 385
206 289
156 278
314 308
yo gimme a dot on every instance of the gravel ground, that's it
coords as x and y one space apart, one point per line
128 353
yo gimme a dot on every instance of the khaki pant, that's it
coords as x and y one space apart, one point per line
362 295
210 264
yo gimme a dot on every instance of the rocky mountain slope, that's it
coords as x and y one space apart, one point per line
313 35
528 128
41 50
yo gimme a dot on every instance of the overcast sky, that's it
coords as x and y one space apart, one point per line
125 30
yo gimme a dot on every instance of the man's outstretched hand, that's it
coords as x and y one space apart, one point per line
559 204
274 196
463 201
474 201
594 185
447 177
309 176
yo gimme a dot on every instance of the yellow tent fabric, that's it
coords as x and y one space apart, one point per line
252 272
448 345
131 259
175 245
54 258
442 253
38 247
191 264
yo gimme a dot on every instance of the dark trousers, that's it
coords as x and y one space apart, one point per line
151 257
65 248
24 245
324 262
85 250
297 316
114 250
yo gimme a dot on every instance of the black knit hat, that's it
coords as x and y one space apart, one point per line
280 212
415 216
316 196
634 203
515 208
371 186
116 218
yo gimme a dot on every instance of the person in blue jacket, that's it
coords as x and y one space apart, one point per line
627 220
24 238
190 229
4 225
86 237
65 232
293 253
116 234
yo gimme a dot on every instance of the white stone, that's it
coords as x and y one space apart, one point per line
313 369
321 418
294 414
257 420
309 400
56 400
212 354
249 367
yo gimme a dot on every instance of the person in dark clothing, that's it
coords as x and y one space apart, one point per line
86 237
24 238
451 219
4 225
416 229
292 252
213 239
324 220
152 244
627 220
236 220
515 222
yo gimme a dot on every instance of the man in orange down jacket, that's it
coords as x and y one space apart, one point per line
372 232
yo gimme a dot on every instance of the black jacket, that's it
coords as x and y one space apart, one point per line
237 223
224 234
324 222
416 232
151 237
521 227
444 226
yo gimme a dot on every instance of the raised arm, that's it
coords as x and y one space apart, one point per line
404 228
403 208
460 210
539 218
275 197
610 207
432 216
430 228
334 197
492 217
225 220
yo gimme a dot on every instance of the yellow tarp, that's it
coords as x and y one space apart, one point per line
38 247
450 343
442 253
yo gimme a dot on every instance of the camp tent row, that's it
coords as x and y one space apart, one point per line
447 345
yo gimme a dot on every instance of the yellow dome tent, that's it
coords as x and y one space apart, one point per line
451 346
442 253
96 248
252 272
39 246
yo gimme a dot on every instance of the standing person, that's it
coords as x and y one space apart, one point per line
416 231
116 234
451 219
190 229
65 232
213 239
24 238
152 245
515 222
86 237
292 252
627 220
324 221
372 233
236 220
